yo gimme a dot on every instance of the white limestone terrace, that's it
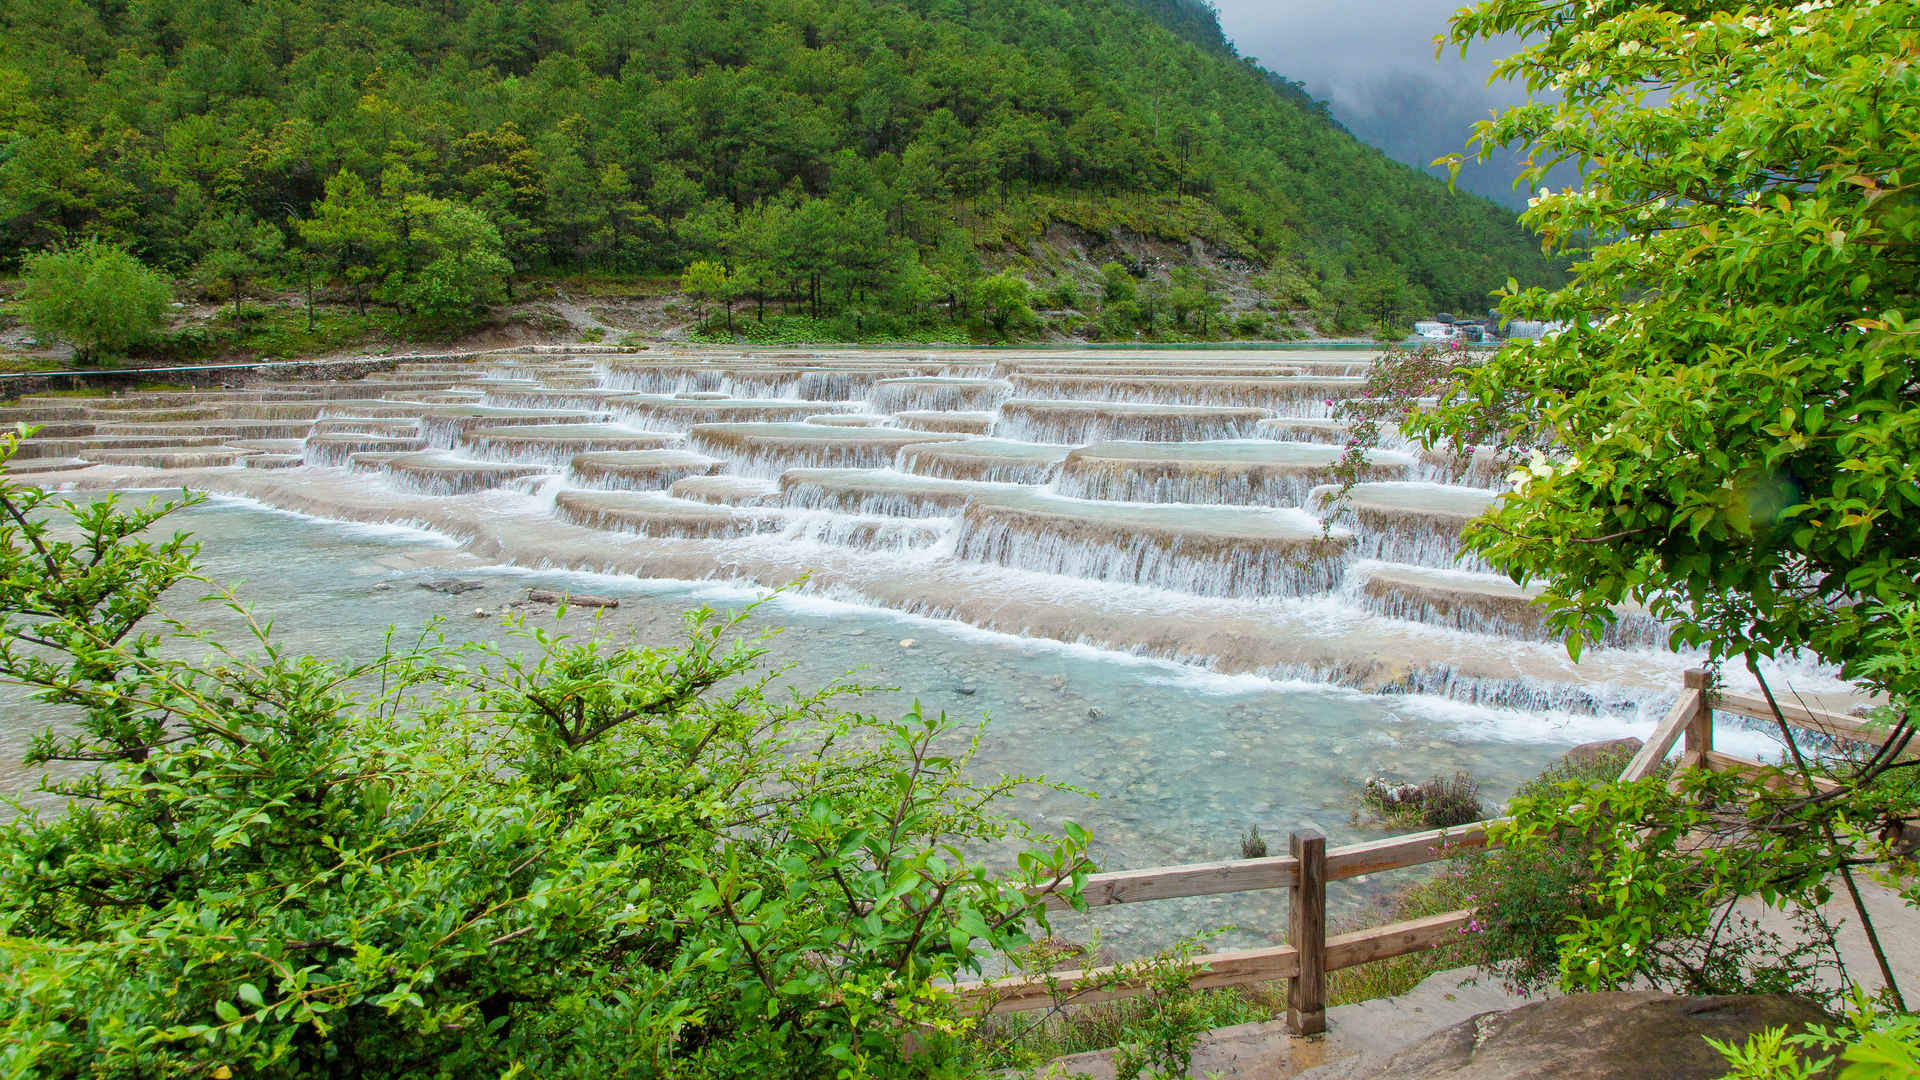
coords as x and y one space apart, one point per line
1167 503
1257 472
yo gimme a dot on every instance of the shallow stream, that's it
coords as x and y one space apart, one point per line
1183 761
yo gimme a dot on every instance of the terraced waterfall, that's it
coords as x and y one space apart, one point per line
1164 504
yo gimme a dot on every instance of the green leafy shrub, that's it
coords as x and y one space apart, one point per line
464 860
1601 884
1451 800
96 296
1252 324
1006 301
1871 1044
1252 844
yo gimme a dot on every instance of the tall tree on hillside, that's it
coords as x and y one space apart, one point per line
240 250
352 229
461 268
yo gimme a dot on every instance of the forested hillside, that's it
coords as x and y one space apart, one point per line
835 153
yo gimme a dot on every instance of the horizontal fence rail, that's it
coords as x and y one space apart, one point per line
1310 954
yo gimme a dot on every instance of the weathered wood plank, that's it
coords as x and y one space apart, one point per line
1395 939
1837 725
1414 849
1655 751
1771 775
1699 741
1190 879
1241 967
1307 933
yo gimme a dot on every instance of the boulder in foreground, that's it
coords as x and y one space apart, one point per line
1630 1035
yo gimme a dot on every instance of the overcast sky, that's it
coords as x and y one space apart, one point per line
1372 61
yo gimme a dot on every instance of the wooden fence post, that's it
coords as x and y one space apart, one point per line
1700 729
1307 934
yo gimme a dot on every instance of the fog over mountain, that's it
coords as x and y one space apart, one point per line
1372 62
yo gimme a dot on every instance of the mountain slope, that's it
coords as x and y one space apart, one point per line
874 138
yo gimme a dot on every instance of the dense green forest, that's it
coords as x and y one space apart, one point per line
831 155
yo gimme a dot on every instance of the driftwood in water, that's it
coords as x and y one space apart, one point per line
548 596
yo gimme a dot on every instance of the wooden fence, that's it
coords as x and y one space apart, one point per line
1309 866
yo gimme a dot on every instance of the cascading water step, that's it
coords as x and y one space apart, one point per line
557 444
1209 550
209 457
91 447
938 395
432 472
848 420
336 450
547 396
771 449
41 410
882 491
162 415
681 414
1304 429
1281 393
23 465
1482 604
1000 461
1411 522
954 423
661 516
240 429
269 446
398 428
727 490
640 470
445 427
668 517
1251 472
1091 421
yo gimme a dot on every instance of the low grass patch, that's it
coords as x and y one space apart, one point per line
1390 978
1027 1040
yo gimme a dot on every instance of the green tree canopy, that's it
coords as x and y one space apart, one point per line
239 250
1729 422
463 267
1007 302
632 135
1723 426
